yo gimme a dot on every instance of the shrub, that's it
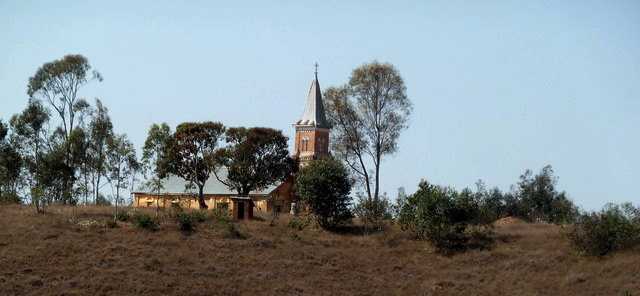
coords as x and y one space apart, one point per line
199 216
232 232
324 185
613 228
221 215
299 223
443 217
373 212
122 216
145 221
185 221
111 224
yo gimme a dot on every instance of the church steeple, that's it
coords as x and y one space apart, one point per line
314 109
312 130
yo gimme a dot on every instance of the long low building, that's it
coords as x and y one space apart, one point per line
177 192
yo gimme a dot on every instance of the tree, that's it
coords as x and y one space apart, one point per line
367 116
325 186
30 136
192 149
539 199
10 168
154 157
100 132
58 83
121 164
255 159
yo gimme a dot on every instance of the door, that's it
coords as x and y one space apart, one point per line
240 210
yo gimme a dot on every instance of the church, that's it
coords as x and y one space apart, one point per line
311 142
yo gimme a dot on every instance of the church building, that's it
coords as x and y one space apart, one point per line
311 142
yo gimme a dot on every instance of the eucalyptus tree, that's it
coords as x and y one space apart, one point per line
367 116
100 132
58 83
154 157
121 164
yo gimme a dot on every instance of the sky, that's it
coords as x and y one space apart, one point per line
497 86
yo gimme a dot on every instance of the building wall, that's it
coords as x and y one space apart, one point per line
186 201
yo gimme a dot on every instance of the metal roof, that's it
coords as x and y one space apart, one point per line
314 109
176 185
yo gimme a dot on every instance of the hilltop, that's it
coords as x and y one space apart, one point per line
53 254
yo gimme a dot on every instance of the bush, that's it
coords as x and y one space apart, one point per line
199 216
373 212
444 217
221 215
122 216
185 221
299 223
111 224
232 232
614 228
324 185
144 221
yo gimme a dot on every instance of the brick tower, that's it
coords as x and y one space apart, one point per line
312 130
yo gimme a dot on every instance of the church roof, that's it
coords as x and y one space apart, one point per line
314 109
176 185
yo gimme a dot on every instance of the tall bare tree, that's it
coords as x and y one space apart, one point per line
367 115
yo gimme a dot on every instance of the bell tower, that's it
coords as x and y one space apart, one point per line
312 130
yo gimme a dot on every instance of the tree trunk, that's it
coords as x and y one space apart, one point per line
201 202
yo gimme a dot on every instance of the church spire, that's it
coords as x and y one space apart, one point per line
314 109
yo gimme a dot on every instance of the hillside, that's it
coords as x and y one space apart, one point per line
49 255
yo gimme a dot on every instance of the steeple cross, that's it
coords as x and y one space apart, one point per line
316 70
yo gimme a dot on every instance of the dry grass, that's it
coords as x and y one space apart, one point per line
53 254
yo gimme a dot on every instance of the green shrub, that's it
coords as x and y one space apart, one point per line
324 185
144 221
373 212
613 228
122 216
185 221
221 215
232 232
199 216
299 223
445 218
111 224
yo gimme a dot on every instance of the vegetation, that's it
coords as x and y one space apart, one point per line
368 114
444 217
254 159
144 221
324 185
192 151
616 227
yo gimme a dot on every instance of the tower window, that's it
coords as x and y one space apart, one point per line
305 144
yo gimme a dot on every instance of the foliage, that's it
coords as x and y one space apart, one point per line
191 153
325 186
255 159
367 116
443 216
616 227
373 212
299 223
100 133
199 216
121 163
122 216
231 231
185 221
58 82
144 221
540 201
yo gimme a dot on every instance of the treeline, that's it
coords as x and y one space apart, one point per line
61 148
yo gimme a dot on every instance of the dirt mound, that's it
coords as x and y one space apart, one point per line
508 221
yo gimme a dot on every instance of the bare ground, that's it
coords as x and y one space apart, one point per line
51 255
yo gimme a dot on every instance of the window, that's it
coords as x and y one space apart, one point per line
305 144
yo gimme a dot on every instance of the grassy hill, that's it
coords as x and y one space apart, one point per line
54 254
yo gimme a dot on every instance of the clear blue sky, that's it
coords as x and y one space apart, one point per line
497 86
